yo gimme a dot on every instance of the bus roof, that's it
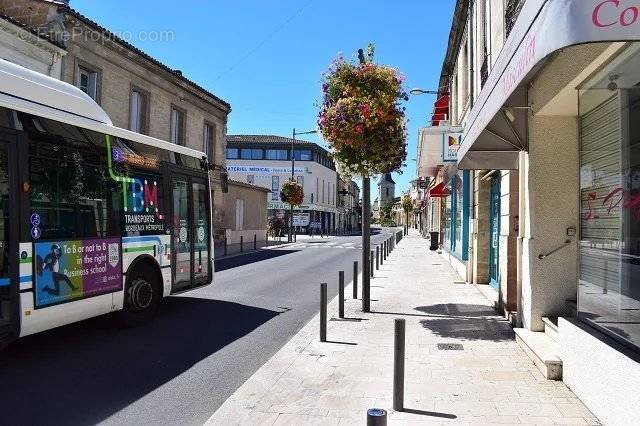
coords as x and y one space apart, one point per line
28 91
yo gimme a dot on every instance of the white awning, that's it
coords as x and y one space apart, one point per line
492 138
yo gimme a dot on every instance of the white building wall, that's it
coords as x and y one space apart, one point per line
602 373
497 34
314 175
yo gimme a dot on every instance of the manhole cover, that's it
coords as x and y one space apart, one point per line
450 347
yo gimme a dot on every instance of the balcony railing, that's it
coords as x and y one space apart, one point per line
511 13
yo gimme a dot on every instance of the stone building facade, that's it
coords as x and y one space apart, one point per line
245 218
26 47
138 92
348 196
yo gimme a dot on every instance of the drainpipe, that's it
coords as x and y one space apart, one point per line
521 230
55 56
472 57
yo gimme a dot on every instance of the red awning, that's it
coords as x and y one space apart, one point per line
441 105
439 191
440 110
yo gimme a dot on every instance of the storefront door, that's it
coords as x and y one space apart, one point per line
494 229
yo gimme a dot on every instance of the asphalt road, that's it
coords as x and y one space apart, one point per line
181 367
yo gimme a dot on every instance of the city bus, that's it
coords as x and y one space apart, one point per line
93 218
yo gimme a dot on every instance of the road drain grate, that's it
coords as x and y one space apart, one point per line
450 347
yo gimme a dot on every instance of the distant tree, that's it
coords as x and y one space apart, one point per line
276 225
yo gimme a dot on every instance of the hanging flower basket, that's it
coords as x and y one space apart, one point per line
361 117
292 193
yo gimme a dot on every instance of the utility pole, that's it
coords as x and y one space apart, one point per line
293 166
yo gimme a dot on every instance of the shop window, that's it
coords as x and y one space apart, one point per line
455 216
251 154
609 265
277 154
303 155
232 153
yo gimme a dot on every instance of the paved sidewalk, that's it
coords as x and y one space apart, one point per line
489 381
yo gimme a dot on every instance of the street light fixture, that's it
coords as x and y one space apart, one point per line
293 166
418 91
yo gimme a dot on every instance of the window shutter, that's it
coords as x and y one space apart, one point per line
601 176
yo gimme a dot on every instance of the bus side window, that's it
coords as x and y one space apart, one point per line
70 189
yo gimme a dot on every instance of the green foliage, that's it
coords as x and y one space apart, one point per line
276 225
407 204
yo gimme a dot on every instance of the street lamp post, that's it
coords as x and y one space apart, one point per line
293 166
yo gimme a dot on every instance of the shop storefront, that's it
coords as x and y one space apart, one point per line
609 247
455 215
561 109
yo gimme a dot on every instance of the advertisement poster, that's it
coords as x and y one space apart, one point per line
71 270
301 219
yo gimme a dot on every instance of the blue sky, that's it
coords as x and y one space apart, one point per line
266 57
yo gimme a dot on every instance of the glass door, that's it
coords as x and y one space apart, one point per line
201 232
494 228
190 232
8 245
182 235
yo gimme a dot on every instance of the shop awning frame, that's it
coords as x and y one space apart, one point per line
491 139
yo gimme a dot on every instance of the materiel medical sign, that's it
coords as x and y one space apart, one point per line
450 146
76 269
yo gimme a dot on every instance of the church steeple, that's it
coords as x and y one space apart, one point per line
386 189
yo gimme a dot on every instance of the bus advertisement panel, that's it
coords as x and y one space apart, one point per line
77 269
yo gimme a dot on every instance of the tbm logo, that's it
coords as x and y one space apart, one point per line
143 197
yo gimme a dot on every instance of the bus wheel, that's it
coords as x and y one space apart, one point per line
142 296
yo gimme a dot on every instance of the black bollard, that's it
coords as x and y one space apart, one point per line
241 243
398 365
355 279
377 258
371 259
341 294
323 312
376 417
255 242
382 254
